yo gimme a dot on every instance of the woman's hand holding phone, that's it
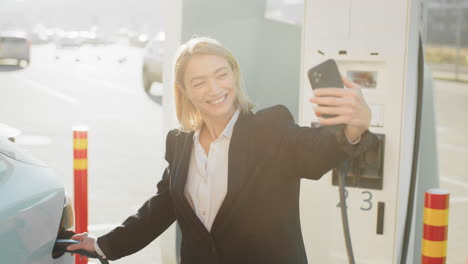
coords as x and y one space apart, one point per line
348 106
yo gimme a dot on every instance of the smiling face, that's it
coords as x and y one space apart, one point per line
211 86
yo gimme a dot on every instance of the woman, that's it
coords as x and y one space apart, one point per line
233 177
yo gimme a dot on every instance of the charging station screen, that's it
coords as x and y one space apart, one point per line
367 79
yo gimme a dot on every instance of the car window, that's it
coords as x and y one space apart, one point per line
13 151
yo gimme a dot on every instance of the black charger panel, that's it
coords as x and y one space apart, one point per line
366 170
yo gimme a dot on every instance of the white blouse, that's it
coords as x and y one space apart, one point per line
207 178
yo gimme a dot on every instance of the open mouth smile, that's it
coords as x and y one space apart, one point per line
218 100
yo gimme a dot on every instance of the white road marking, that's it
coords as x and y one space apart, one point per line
110 85
454 182
94 228
454 148
48 90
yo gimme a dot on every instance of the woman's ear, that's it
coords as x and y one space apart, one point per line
234 70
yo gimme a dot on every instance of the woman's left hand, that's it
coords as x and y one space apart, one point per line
348 105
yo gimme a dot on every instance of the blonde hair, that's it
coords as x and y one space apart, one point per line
188 116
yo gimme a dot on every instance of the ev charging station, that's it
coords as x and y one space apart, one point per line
375 43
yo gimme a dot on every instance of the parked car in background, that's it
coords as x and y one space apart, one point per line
138 40
38 35
70 39
14 48
153 61
34 209
96 36
97 39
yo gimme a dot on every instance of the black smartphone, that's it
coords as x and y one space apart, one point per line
325 75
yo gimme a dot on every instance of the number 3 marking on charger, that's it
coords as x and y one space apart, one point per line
368 201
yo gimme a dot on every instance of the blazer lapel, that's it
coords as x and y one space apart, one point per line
237 168
181 174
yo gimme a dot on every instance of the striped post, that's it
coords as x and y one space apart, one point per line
436 211
80 162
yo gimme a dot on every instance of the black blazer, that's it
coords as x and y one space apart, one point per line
258 221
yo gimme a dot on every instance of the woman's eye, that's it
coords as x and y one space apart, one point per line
222 75
198 84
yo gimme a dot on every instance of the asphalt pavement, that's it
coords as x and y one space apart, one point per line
99 87
451 107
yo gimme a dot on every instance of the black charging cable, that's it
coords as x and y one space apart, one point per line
343 171
62 244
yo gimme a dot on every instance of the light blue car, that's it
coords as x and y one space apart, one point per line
34 209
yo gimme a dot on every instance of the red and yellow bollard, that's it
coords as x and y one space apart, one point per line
436 212
80 162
